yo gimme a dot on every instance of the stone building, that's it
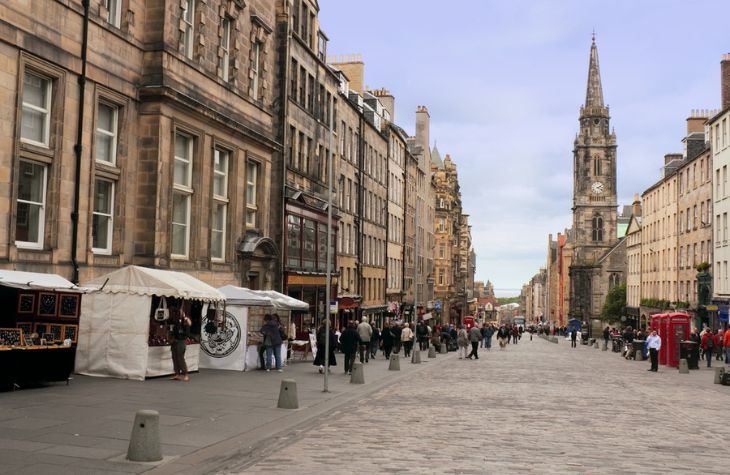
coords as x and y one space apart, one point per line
718 126
143 143
634 264
598 255
306 105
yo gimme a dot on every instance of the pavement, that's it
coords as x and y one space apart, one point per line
536 407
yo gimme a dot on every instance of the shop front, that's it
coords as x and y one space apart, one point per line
375 314
347 308
39 328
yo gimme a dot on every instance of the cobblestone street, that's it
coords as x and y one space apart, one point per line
536 407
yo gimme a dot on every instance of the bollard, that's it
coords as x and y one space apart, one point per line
144 444
595 344
719 371
683 367
394 363
431 352
416 358
444 350
639 355
358 374
288 398
604 347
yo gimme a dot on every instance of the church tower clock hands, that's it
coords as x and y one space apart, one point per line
594 200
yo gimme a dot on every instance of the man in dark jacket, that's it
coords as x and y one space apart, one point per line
350 341
422 335
272 342
387 337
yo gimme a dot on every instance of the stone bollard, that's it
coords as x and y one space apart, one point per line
639 355
683 366
394 363
444 349
144 445
416 358
358 374
604 347
719 371
431 352
595 344
288 398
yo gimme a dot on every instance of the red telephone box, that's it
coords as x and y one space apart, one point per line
677 330
659 324
468 322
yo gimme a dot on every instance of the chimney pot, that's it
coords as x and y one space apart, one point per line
725 81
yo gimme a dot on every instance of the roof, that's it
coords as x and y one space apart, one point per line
146 281
261 298
436 158
35 280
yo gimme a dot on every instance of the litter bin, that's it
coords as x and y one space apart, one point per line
638 347
617 344
689 350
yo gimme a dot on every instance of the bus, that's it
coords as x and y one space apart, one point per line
519 321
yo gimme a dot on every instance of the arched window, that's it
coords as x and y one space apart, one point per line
613 280
597 228
596 166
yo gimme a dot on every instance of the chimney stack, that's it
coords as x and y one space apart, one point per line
354 68
725 81
636 206
387 99
672 156
423 127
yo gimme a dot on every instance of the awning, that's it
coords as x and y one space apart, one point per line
146 281
36 280
242 296
283 302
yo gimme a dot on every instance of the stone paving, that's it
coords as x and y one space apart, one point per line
536 407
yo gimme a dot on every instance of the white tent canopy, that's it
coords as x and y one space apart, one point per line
164 283
283 302
261 298
35 280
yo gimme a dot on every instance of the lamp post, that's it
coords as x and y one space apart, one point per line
328 288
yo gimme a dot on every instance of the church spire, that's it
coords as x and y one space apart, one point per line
594 91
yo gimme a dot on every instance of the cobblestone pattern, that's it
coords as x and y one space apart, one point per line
535 407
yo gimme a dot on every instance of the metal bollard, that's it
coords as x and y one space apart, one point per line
431 352
683 366
394 363
288 398
358 374
719 371
144 444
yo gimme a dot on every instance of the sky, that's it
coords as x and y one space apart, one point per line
504 81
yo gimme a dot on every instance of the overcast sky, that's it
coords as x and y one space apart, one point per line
504 82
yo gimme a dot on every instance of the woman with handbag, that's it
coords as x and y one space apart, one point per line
179 332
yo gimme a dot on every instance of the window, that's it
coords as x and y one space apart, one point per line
596 166
225 57
252 180
182 195
724 132
442 251
597 228
106 133
302 86
188 16
255 69
220 204
31 205
114 12
102 220
294 79
36 121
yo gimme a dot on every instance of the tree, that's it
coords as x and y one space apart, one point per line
615 304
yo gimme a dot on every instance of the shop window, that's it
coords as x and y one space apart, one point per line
103 216
309 251
31 205
293 249
36 120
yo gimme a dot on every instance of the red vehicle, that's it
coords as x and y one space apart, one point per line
468 321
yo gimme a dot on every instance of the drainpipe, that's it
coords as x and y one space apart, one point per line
78 148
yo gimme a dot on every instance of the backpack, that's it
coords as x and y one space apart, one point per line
710 342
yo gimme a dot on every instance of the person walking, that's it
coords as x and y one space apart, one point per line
607 335
720 340
397 330
574 338
374 342
503 337
319 359
387 338
488 334
422 335
709 343
654 343
272 341
350 341
179 332
475 336
462 341
366 332
726 344
406 339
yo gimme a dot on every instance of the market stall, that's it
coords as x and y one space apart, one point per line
123 330
39 327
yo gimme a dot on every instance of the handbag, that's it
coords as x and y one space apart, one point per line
162 313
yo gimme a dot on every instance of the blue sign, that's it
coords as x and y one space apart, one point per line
723 314
437 305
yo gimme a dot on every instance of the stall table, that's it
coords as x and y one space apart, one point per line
22 366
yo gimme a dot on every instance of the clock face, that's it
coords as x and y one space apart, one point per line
597 188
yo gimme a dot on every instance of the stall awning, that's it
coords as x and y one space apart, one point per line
242 296
146 281
283 302
35 280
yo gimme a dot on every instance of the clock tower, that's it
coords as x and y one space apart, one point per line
594 172
596 265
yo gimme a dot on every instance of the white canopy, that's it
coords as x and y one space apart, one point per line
241 296
35 280
145 281
283 302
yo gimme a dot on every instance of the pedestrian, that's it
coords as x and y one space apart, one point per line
462 340
482 330
709 343
321 340
350 341
406 338
654 342
502 337
720 340
726 344
366 332
475 336
488 334
272 342
606 336
179 332
422 335
387 339
374 342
